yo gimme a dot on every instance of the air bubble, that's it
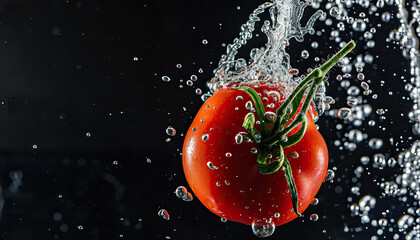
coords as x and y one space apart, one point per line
262 229
170 131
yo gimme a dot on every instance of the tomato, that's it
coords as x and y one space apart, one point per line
232 187
274 173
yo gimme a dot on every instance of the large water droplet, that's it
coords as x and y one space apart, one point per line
262 229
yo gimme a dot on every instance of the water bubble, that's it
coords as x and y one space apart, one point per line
198 91
359 25
166 79
164 214
386 17
314 217
305 54
148 160
360 76
80 227
223 220
115 163
375 143
330 175
34 146
344 113
205 137
181 192
364 160
367 203
179 65
193 78
355 135
314 45
239 98
228 154
170 131
380 111
205 41
315 201
262 229
88 134
188 198
334 11
294 154
352 101
189 83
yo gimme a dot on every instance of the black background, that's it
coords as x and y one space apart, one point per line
67 68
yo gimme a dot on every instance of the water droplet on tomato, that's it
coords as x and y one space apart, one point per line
270 117
248 105
227 182
170 131
294 154
314 217
205 137
254 150
228 154
218 184
238 138
276 215
262 229
223 220
239 98
164 214
211 166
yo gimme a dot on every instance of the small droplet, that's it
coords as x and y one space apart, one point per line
205 41
254 150
270 117
248 105
239 138
330 175
276 215
239 98
115 163
218 184
179 65
223 220
198 91
164 214
148 160
205 137
344 113
170 131
315 201
193 78
294 154
262 229
304 54
228 154
211 166
314 217
34 146
166 78
88 134
181 192
80 227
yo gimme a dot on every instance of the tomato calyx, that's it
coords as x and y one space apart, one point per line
272 137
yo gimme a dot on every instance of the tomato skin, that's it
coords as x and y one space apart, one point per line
236 190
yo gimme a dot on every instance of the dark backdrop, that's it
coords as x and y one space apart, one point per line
68 70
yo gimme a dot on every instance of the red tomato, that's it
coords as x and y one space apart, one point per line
224 175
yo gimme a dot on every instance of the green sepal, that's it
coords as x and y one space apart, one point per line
292 186
295 138
248 124
296 102
259 107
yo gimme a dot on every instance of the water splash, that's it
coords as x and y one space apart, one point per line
271 62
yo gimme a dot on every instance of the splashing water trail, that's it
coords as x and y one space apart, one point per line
269 63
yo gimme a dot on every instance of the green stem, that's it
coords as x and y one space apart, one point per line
337 57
